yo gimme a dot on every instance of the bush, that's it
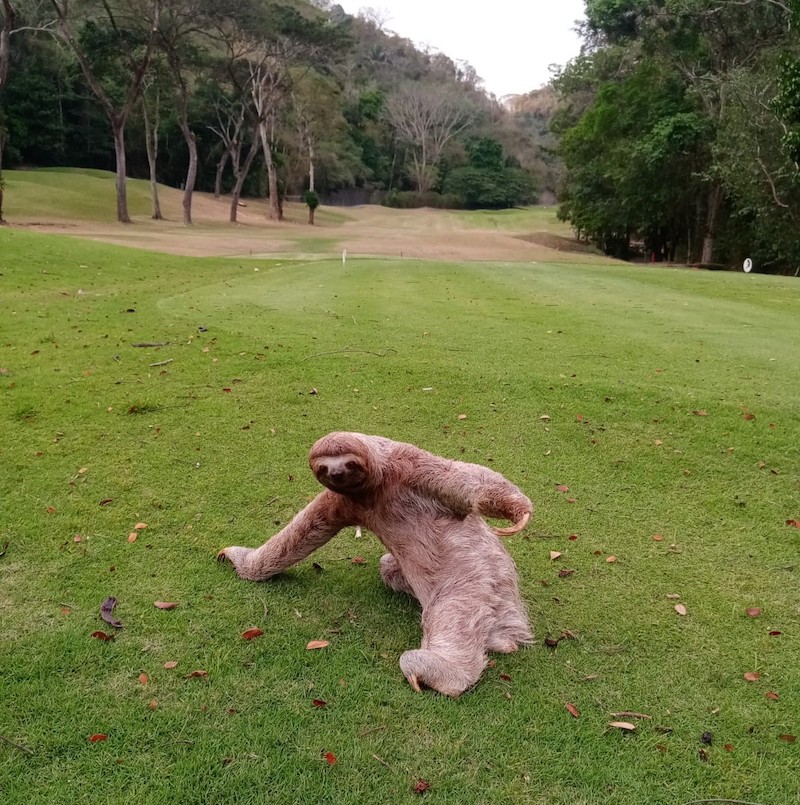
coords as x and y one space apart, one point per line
410 199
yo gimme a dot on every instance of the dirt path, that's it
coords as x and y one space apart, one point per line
363 231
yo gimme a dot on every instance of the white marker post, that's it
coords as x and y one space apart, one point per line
747 265
344 256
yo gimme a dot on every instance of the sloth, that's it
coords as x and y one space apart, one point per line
428 512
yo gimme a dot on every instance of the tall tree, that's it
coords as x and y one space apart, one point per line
113 45
428 117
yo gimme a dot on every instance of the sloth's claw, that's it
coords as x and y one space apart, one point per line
412 680
514 529
222 556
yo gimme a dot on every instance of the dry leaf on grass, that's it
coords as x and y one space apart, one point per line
753 612
420 787
312 644
196 674
98 736
611 559
623 725
752 676
107 610
99 635
772 696
251 634
573 711
319 703
139 526
133 536
554 555
165 604
330 758
171 664
790 739
562 487
680 609
143 679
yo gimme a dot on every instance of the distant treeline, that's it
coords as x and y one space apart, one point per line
261 98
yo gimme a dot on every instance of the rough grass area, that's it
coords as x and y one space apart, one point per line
666 400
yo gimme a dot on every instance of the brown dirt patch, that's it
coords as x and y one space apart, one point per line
364 231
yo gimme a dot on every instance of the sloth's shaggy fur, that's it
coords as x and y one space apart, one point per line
428 511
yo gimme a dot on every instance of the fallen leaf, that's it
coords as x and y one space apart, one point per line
658 442
551 642
564 572
775 633
313 392
795 523
152 704
572 537
700 413
133 536
358 560
505 677
102 635
105 501
554 555
250 634
83 470
748 416
573 711
461 416
77 538
196 673
703 755
728 747
317 644
545 417
98 736
143 679
753 612
772 696
752 676
623 725
227 390
680 609
140 526
165 604
319 702
170 664
661 747
66 611
572 500
611 559
673 596
657 538
562 487
107 612
790 739
330 757
421 786
52 510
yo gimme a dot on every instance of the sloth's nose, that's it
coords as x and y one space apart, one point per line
337 475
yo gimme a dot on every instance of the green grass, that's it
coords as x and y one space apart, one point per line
209 450
539 219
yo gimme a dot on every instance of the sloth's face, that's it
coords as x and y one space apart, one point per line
345 474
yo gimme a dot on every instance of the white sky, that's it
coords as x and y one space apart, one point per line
510 43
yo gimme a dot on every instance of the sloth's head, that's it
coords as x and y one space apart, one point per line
346 463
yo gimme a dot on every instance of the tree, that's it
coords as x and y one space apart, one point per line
312 202
427 117
113 47
7 21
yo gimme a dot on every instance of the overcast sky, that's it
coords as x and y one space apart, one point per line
510 43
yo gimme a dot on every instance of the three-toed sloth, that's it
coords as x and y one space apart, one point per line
428 511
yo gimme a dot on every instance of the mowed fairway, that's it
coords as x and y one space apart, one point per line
666 400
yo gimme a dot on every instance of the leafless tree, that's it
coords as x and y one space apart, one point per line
427 117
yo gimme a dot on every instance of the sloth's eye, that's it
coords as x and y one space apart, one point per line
323 469
351 465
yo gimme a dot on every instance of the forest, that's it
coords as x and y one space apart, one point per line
269 98
673 136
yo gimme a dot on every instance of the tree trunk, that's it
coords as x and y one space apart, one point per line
240 177
191 173
275 212
118 128
151 144
311 216
2 146
712 215
311 155
223 161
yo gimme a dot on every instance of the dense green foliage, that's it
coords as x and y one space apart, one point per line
680 127
327 83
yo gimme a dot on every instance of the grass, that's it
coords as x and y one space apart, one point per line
209 450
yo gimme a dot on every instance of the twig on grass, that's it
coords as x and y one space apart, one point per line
162 363
16 745
370 730
340 351
728 801
151 344
383 762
